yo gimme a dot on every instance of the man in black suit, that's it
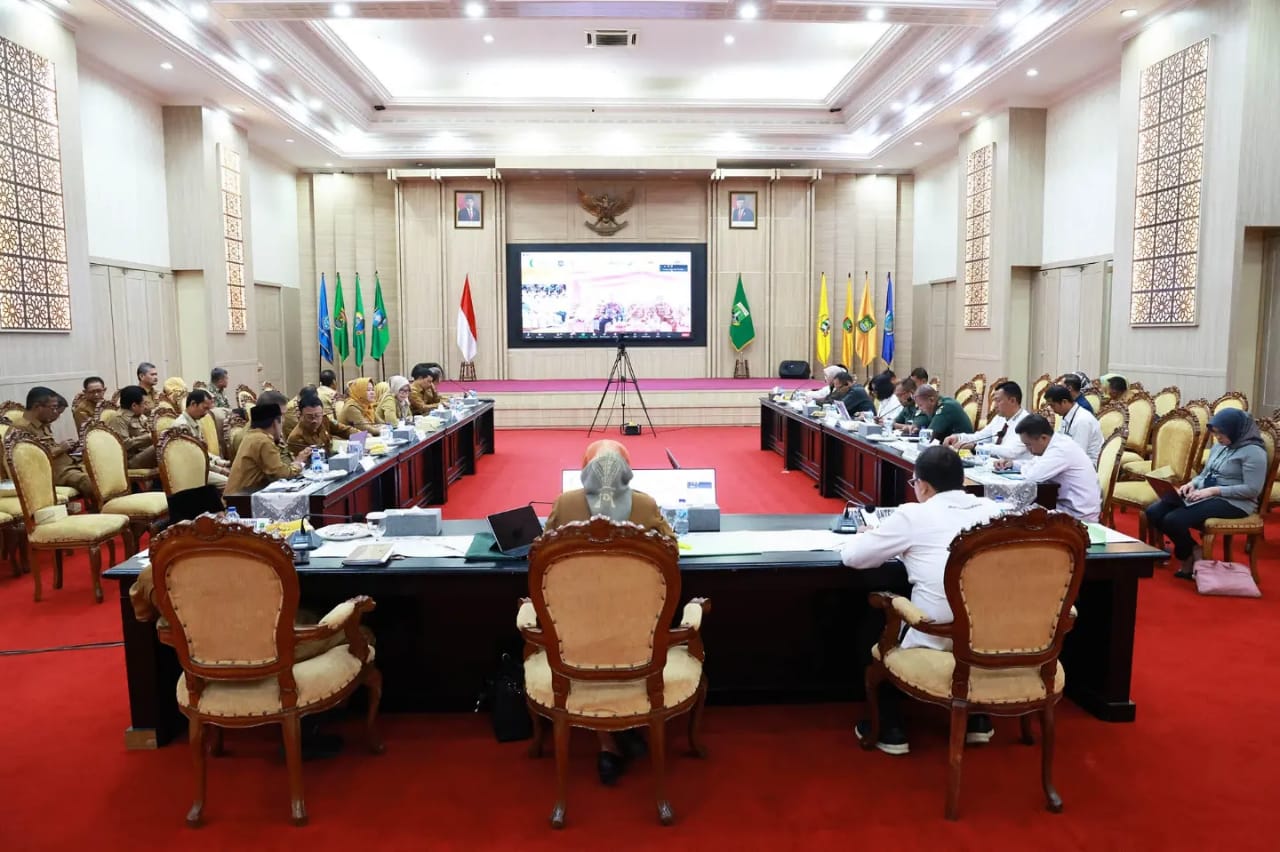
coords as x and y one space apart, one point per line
469 212
855 399
741 212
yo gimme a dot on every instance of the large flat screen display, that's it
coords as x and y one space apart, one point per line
575 295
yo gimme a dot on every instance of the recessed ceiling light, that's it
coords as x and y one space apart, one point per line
290 141
879 165
1128 13
168 66
946 68
328 165
474 10
896 106
488 38
262 63
729 39
875 14
917 144
199 11
341 10
1031 72
748 11
965 113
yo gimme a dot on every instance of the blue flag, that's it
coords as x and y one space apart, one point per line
886 346
322 324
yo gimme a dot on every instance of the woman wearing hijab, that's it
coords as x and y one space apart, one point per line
358 413
606 490
1228 487
392 406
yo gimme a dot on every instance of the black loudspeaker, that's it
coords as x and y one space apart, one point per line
793 370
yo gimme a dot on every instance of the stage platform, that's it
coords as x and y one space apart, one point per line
571 403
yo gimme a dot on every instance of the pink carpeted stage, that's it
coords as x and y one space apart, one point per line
571 403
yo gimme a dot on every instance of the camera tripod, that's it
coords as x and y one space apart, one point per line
620 375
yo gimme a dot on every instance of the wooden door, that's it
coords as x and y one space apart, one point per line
270 331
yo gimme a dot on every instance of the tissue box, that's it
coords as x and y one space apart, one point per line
343 461
704 518
414 522
872 429
406 433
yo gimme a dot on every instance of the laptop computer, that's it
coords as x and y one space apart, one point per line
515 529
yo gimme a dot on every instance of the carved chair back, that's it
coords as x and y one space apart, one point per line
107 463
1167 400
1175 440
184 464
1113 417
1109 468
1230 399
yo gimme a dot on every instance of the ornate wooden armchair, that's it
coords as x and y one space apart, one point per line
1173 452
1038 387
107 463
1250 526
599 654
48 525
970 400
1113 417
233 429
1093 393
230 596
1109 473
1167 400
1011 584
1142 415
246 397
989 405
184 463
12 411
1230 399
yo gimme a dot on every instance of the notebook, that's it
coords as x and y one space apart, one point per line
515 529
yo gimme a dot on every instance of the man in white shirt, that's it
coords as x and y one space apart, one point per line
998 434
199 404
1057 458
1076 421
920 535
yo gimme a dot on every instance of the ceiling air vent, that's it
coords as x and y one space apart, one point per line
611 38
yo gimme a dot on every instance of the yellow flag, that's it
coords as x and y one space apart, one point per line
866 344
824 325
846 327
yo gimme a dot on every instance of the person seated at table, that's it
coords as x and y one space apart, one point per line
1075 420
1075 383
1059 459
606 490
1228 487
199 404
423 396
945 415
920 376
314 428
42 411
134 428
358 412
393 407
291 413
909 415
829 373
1007 401
94 390
888 406
855 399
919 535
258 460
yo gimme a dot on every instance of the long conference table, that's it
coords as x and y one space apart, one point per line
785 626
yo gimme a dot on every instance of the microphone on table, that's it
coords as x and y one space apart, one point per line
849 521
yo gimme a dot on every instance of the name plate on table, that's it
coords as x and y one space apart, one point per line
411 522
406 433
344 461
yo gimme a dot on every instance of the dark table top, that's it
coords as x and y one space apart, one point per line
1123 551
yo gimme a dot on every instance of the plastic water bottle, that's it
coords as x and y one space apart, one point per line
233 517
317 461
682 518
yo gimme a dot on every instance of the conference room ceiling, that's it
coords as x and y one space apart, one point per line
831 83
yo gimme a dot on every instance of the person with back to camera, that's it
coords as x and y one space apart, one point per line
1228 487
606 490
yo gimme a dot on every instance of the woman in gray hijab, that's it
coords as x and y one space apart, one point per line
1229 486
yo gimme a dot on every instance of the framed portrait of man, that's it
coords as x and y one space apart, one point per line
742 210
468 208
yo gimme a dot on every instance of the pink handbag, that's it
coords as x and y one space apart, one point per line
1225 578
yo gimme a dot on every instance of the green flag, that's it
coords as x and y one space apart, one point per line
381 331
339 320
741 329
357 327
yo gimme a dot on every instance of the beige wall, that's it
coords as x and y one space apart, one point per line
847 222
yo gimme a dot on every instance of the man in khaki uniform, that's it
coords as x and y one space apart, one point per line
43 408
94 390
292 413
199 404
149 381
423 396
328 392
134 428
218 382
258 460
315 429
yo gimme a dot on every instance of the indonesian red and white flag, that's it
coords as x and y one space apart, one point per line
467 323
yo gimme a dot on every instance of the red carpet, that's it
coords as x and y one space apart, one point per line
1196 771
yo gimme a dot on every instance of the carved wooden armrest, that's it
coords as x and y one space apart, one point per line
343 618
690 620
1071 618
898 610
527 623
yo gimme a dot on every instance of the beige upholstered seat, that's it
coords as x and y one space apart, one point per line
106 461
1167 400
229 597
1142 414
1109 473
1011 584
1113 417
599 653
1252 526
47 523
184 464
1038 387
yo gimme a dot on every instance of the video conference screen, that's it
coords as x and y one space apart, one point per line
576 294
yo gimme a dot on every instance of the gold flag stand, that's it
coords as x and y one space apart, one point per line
467 372
741 369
